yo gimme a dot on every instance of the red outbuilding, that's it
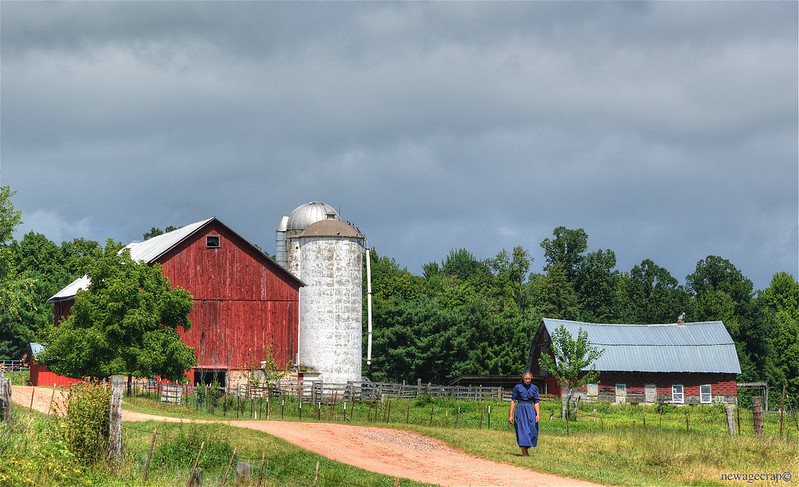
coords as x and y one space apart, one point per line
244 302
676 363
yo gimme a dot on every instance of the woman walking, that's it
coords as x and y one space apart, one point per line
524 412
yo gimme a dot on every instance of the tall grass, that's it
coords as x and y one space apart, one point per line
616 449
30 455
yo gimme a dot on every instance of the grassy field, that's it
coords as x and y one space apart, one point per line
629 445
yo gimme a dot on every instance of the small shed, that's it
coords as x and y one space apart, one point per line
244 301
677 363
40 375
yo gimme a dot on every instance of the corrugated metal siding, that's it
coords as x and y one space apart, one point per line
692 347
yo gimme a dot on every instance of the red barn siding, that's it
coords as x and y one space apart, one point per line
62 309
42 376
234 334
243 301
721 384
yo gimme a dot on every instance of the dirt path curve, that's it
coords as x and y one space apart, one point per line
390 452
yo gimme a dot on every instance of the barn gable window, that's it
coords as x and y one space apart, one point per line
212 241
676 394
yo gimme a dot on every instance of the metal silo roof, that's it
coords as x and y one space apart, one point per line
305 215
690 347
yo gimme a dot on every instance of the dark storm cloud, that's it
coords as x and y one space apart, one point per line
666 130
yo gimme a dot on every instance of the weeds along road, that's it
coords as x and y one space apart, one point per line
387 451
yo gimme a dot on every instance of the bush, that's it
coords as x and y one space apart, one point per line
85 425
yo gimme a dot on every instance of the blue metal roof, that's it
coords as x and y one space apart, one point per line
690 347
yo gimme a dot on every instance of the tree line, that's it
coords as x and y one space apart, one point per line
469 316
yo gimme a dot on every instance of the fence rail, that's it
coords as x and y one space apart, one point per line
319 392
13 365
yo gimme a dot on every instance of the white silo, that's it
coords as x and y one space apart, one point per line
329 259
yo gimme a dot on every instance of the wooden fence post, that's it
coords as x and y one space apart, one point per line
261 471
115 420
52 398
192 477
782 409
730 419
149 457
316 474
230 464
738 415
757 415
5 399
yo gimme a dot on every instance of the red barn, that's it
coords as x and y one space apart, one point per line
243 300
678 363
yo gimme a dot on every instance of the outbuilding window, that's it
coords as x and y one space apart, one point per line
705 396
212 241
621 393
677 394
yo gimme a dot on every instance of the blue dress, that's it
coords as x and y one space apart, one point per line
526 396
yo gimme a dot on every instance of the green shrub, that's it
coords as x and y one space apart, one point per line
84 426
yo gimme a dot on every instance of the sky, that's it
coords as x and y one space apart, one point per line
666 130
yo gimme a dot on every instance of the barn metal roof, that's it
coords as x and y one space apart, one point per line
671 347
147 251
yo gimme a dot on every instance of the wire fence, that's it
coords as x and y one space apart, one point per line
315 391
235 468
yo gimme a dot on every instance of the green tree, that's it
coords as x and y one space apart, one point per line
154 232
17 291
9 217
595 283
779 304
722 292
566 249
42 268
649 294
125 323
573 364
557 295
510 273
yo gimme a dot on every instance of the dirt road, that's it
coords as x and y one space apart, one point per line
391 452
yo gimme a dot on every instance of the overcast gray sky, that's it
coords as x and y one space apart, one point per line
667 130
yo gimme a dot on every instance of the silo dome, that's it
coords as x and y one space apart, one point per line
286 237
305 215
